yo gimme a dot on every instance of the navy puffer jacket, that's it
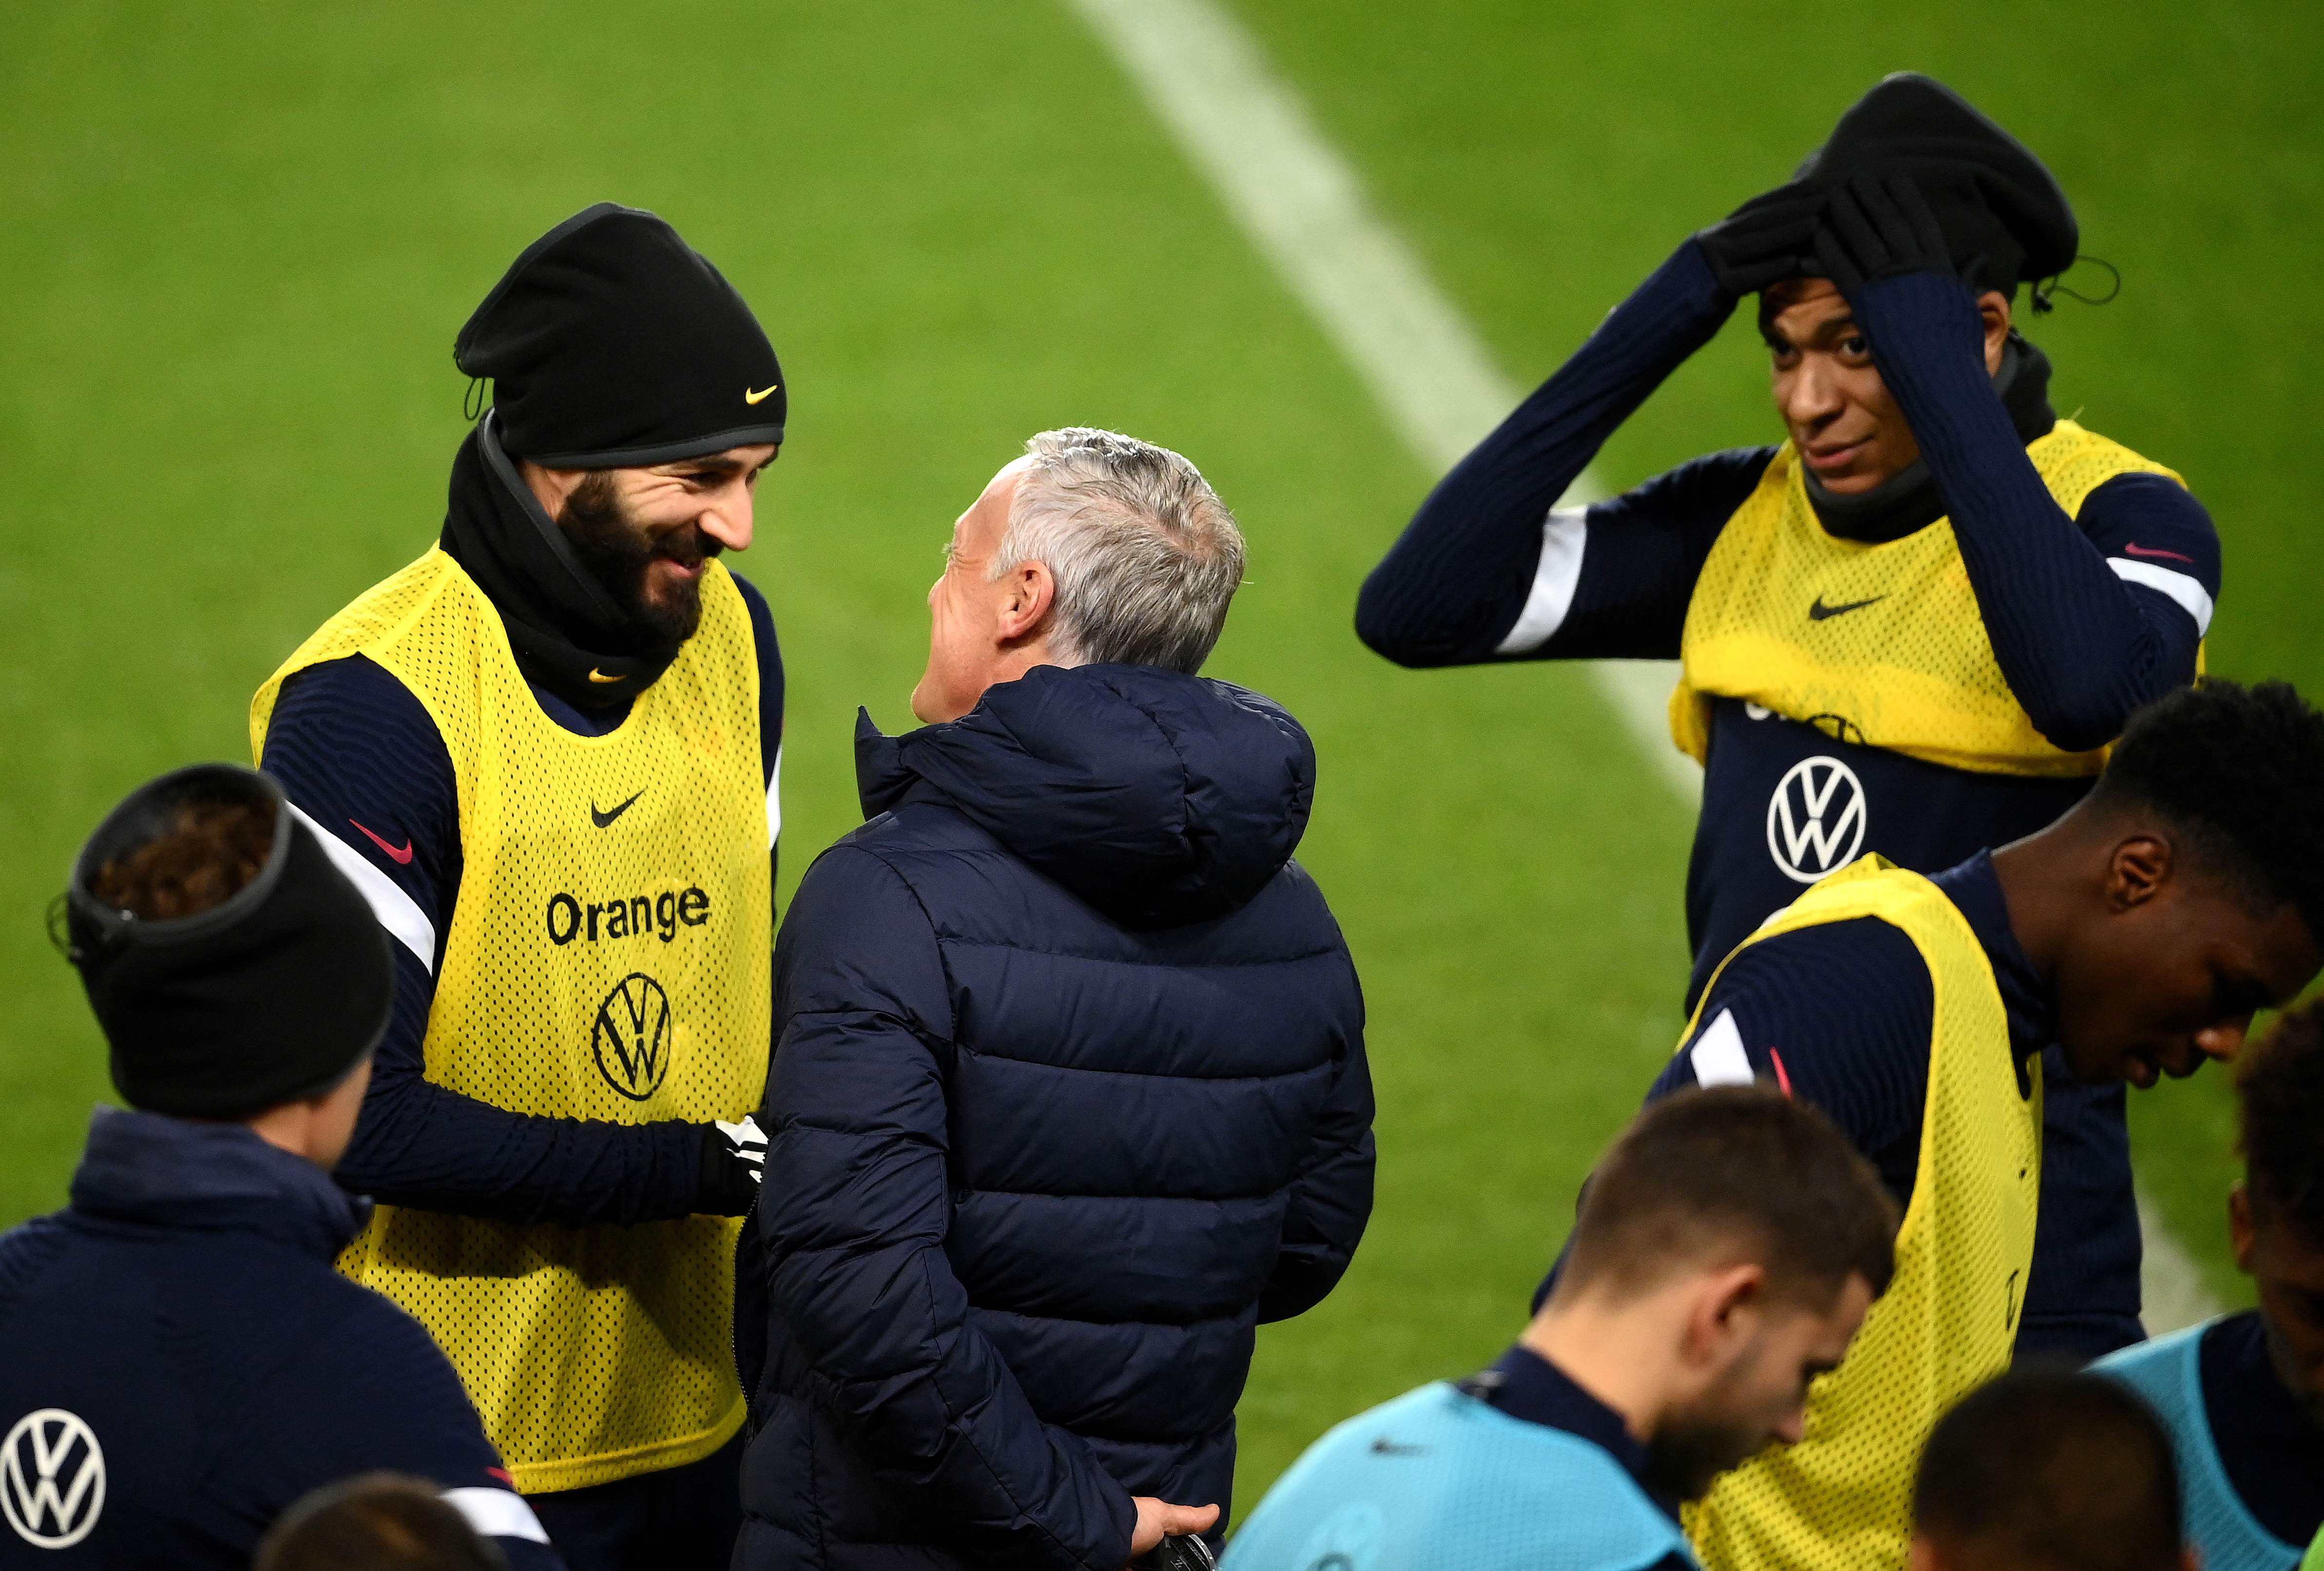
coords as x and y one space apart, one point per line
1068 1094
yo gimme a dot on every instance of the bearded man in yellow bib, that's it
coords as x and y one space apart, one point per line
1911 628
2140 932
547 751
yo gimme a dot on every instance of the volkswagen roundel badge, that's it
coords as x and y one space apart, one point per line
632 1036
52 1478
1816 819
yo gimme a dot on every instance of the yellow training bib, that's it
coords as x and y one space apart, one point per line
1841 1499
1879 643
607 958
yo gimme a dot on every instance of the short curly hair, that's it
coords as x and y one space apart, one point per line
2280 1098
2240 772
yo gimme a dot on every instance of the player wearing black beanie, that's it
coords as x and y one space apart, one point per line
548 747
183 1362
1911 628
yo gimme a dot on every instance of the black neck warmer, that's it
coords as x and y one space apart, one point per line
568 634
273 997
1911 500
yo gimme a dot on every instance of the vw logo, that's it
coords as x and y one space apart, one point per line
52 1478
1815 820
632 1036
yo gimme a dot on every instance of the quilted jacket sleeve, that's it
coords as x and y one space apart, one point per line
856 1205
1332 1198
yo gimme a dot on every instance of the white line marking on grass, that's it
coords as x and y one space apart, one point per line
1302 204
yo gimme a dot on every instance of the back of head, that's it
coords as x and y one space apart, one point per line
2280 1090
2238 772
1727 1175
232 966
1145 555
2048 1470
377 1521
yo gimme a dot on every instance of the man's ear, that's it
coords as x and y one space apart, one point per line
1993 310
1725 1313
2137 870
1922 1555
1027 593
2241 1232
550 487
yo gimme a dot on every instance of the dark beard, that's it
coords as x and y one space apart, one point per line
1684 1456
616 551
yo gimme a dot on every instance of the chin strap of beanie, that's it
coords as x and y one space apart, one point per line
272 996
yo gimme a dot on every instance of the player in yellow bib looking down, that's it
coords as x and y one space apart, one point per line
547 752
1910 628
2140 931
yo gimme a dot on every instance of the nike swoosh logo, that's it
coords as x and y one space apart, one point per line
399 857
602 819
1384 1446
2165 556
598 676
761 396
1819 612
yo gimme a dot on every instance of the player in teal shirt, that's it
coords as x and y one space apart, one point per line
2243 1395
1728 1248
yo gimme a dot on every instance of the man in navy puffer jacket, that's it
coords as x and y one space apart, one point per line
1069 1090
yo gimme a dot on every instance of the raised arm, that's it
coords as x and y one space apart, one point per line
2087 621
853 1226
1453 589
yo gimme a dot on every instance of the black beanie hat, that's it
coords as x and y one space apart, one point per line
612 342
2004 217
274 996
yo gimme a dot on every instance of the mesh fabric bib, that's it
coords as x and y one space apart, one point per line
1878 643
607 958
1840 1500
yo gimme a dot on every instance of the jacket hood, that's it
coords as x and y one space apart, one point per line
177 1173
1161 799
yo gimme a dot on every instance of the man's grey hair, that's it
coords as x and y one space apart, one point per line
1145 555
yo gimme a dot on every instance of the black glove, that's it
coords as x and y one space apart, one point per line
1762 242
733 1159
1877 228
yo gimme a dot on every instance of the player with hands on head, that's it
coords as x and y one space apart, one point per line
1911 627
548 752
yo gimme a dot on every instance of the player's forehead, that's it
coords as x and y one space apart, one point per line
1804 311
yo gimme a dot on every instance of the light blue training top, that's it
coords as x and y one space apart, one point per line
2168 1371
1438 1481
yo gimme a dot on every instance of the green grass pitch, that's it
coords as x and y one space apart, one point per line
241 236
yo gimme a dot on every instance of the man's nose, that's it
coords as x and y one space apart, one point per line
727 519
1809 396
2223 1041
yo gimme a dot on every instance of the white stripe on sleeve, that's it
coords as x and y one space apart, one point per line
1718 1054
775 798
2181 587
397 912
497 1514
1552 595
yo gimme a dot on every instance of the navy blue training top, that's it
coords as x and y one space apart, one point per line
183 1364
356 753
